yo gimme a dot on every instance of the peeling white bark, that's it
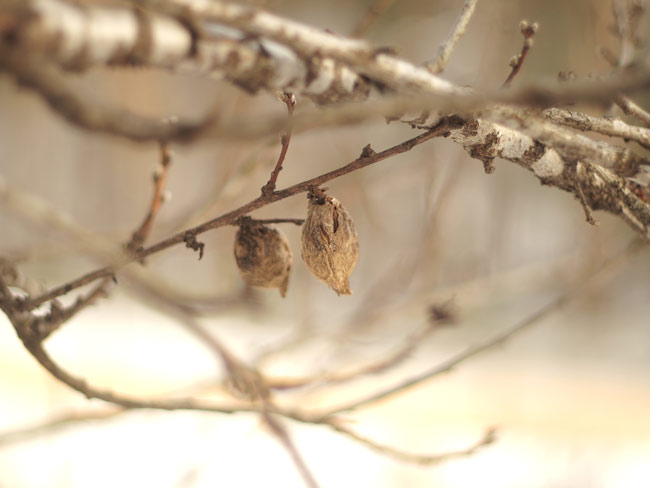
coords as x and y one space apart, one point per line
260 51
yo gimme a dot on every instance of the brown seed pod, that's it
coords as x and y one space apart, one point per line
330 247
263 255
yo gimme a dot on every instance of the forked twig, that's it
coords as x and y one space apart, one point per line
528 31
290 101
159 181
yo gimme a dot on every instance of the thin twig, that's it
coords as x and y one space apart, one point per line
488 437
376 9
625 103
290 100
281 433
255 204
159 181
528 31
629 107
56 423
401 354
86 111
269 221
439 63
496 340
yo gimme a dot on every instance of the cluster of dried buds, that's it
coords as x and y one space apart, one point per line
330 247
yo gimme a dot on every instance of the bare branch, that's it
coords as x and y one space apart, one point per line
491 342
84 110
290 101
528 31
159 181
255 204
309 42
607 126
56 423
439 63
423 459
631 108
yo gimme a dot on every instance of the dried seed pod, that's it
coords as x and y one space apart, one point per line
330 247
263 255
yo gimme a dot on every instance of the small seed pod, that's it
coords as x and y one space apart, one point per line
330 247
263 255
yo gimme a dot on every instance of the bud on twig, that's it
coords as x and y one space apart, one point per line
330 247
263 255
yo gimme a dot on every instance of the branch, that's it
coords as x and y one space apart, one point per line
376 9
86 111
496 340
439 63
159 181
308 42
56 423
365 160
528 31
607 126
290 101
385 363
423 459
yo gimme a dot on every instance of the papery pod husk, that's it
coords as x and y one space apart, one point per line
263 255
330 246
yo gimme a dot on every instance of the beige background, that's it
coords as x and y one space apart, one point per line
570 396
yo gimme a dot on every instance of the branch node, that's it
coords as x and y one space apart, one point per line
191 242
367 151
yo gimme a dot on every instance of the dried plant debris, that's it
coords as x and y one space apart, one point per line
263 255
330 247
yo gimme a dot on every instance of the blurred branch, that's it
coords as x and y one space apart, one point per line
629 107
159 181
423 459
57 423
87 111
376 9
385 363
439 63
528 31
632 249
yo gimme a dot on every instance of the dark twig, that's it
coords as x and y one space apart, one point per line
240 220
225 219
56 423
290 100
528 31
159 181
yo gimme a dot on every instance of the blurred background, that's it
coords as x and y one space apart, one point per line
570 396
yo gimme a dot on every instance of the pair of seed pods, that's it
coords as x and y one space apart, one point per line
330 247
